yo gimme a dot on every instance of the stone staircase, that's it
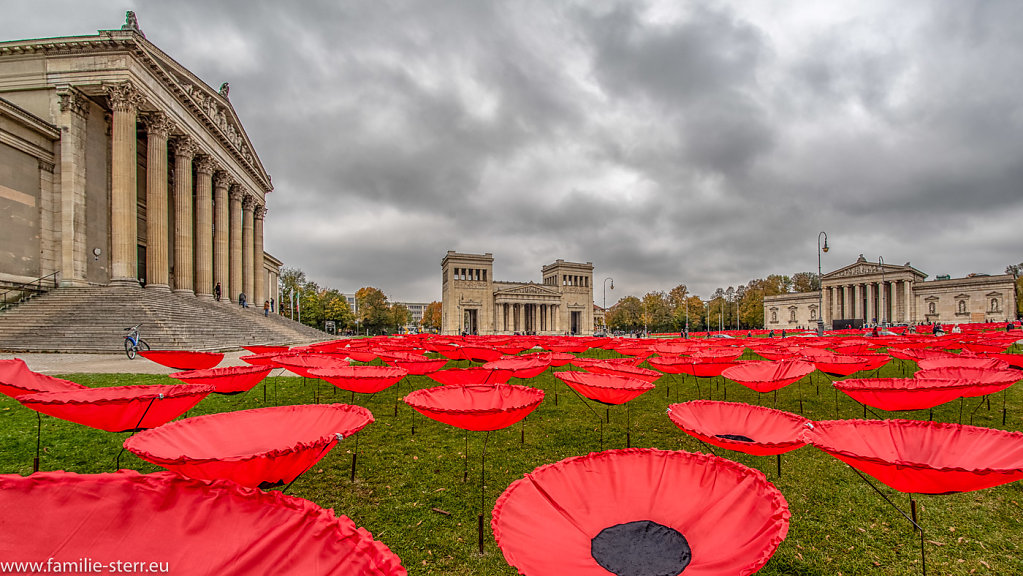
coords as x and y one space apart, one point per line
92 319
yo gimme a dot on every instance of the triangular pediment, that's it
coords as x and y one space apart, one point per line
868 268
528 290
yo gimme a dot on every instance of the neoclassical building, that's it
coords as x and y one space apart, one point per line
474 303
865 293
120 166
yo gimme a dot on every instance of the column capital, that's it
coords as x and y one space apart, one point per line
236 192
260 212
248 203
222 179
205 166
185 147
124 97
158 124
73 100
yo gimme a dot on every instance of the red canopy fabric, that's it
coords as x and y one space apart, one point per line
903 393
183 359
472 407
259 447
361 379
670 364
841 365
702 368
301 364
420 367
1013 360
227 380
474 376
924 457
119 408
605 388
563 518
624 370
768 376
257 349
16 379
735 426
958 362
185 526
985 381
268 359
521 366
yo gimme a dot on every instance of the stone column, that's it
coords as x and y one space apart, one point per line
882 314
204 169
125 101
869 286
184 152
158 127
236 241
909 307
221 239
74 109
259 276
248 204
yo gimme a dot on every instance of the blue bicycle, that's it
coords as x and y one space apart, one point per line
133 342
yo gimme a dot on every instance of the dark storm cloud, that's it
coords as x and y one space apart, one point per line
665 143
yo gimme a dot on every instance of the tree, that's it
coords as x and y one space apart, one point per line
291 282
656 312
626 314
805 282
677 297
400 316
432 316
336 308
311 305
1017 274
374 311
775 285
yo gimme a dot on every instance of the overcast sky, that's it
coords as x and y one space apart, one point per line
706 144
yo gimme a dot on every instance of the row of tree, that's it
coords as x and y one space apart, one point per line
313 305
739 307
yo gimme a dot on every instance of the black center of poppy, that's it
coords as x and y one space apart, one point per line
736 437
641 548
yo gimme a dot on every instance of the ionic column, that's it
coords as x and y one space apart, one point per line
184 152
158 127
257 254
125 101
248 204
204 227
74 109
221 240
235 234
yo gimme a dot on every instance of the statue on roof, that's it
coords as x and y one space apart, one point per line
225 88
132 23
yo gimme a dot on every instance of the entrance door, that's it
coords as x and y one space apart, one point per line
575 322
469 322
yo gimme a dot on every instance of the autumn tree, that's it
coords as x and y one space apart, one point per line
290 282
1017 274
374 311
336 308
400 316
626 314
432 316
677 297
805 282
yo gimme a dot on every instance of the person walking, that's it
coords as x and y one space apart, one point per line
241 300
266 308
216 291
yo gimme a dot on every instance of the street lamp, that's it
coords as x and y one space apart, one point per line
605 298
820 283
881 298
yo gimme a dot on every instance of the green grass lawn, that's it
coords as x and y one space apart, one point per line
409 490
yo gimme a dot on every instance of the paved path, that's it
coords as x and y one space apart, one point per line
105 363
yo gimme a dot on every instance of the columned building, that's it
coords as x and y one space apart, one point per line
474 303
866 293
120 166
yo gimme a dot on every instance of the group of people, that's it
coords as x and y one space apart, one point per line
268 305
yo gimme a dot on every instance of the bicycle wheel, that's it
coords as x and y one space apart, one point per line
143 345
129 349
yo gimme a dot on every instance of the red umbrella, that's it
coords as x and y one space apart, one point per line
119 408
262 447
620 512
166 523
227 380
183 359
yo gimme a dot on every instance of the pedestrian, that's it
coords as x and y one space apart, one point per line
271 305
216 291
241 300
266 308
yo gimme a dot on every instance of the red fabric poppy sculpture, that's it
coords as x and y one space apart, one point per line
119 408
178 525
183 359
476 407
227 380
262 447
768 376
735 426
619 512
16 379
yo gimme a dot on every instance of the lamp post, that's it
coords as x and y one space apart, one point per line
880 296
605 299
820 283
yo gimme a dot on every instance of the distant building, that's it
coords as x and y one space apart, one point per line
865 293
473 302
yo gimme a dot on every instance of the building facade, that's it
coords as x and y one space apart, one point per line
474 303
120 166
865 293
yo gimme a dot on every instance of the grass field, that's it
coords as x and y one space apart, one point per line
409 490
